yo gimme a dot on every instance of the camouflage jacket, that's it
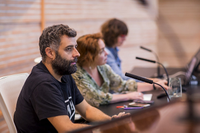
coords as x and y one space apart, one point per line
97 95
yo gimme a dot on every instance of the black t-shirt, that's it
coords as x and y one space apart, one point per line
41 97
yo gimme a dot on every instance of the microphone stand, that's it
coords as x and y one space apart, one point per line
152 61
158 67
147 81
165 72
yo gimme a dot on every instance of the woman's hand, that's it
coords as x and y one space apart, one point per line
135 95
162 83
155 79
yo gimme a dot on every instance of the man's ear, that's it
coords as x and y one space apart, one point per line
50 53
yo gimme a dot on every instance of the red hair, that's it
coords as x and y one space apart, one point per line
88 48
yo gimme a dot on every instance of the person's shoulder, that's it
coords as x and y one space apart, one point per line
40 74
39 81
40 71
40 78
40 68
79 73
105 67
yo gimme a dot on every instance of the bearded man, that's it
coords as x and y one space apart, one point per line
49 97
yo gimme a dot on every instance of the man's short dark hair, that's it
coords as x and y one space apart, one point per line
51 37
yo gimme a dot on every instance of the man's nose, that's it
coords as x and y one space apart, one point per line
76 53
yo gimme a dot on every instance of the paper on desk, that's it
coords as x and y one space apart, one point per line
147 97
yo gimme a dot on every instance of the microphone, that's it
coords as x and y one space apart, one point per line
158 67
152 61
147 81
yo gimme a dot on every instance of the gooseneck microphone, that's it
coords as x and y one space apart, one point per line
152 61
147 81
158 67
145 49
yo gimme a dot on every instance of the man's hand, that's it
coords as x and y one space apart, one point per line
121 114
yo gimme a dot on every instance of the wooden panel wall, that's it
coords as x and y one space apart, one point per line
20 22
19 31
179 31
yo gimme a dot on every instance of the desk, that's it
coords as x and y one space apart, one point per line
162 117
171 118
151 71
111 109
159 117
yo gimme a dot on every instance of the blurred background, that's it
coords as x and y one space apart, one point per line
171 28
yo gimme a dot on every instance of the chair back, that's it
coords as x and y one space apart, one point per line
10 87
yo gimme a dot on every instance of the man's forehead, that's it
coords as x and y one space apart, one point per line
65 40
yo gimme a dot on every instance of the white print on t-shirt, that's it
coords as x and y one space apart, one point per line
70 107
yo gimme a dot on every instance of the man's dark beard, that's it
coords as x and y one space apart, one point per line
62 66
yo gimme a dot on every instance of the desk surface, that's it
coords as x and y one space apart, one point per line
111 109
152 71
159 117
172 117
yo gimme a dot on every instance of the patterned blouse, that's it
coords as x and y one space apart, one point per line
97 95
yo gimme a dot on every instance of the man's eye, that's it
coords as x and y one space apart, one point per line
69 49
